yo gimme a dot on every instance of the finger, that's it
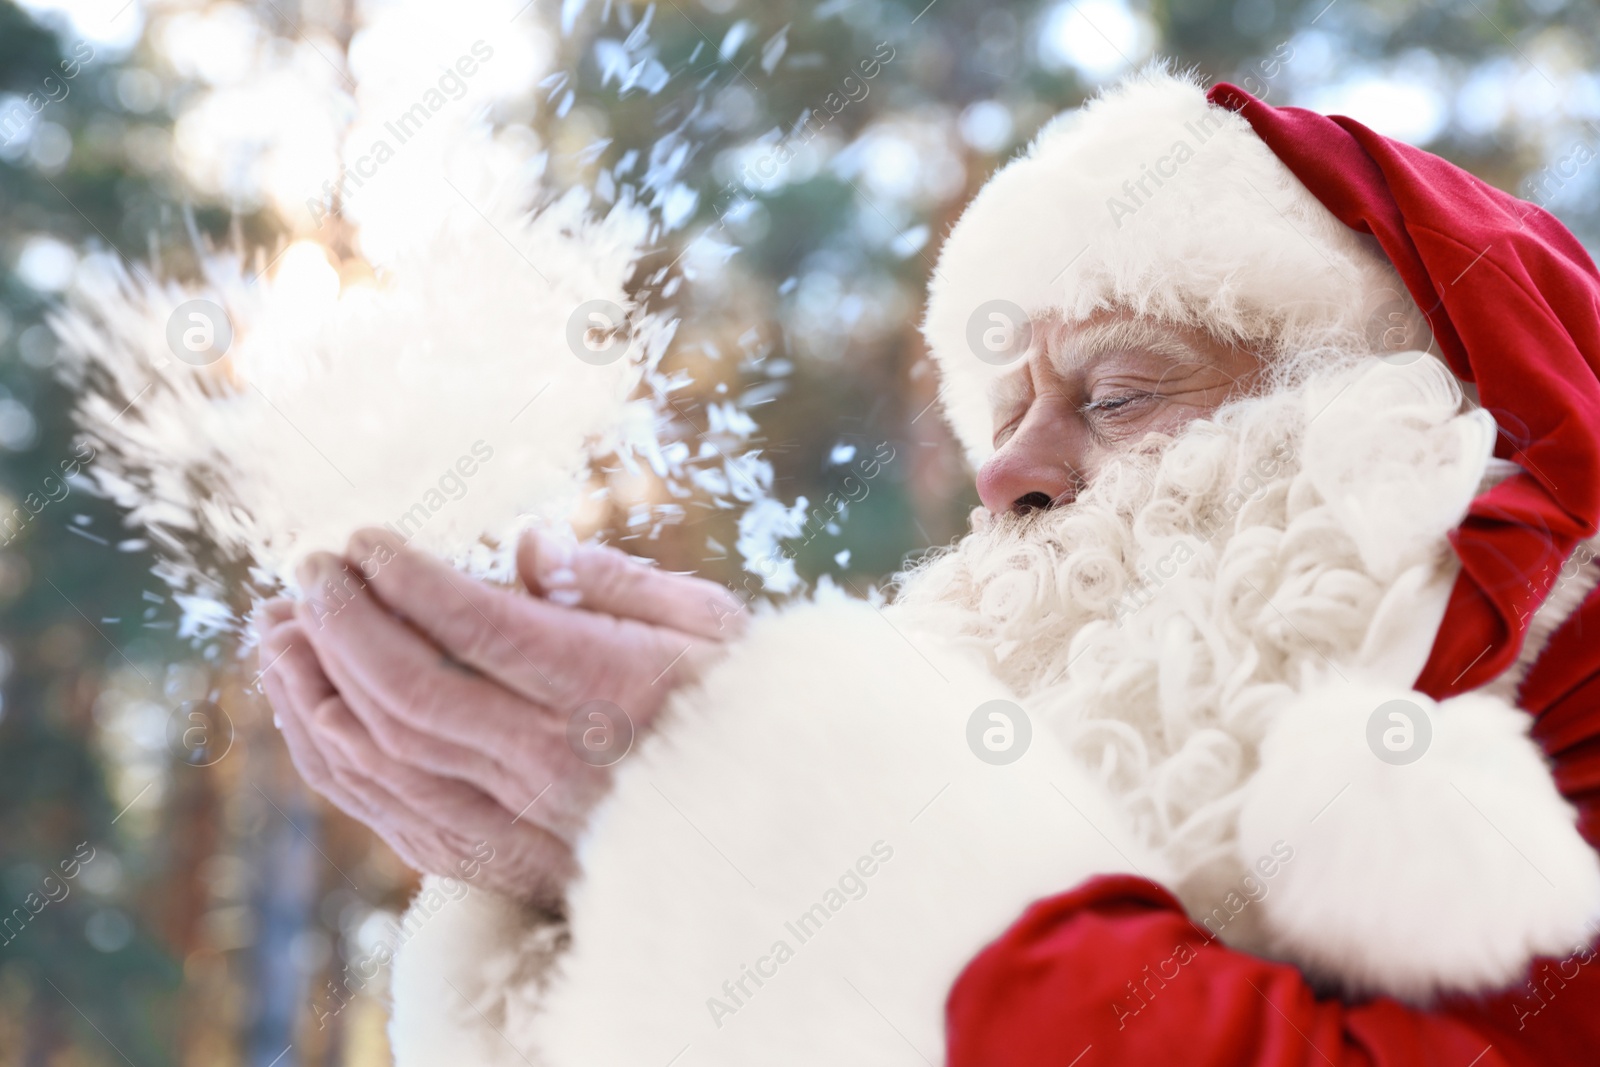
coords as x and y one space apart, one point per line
423 708
401 741
289 660
272 642
274 612
408 832
465 813
303 754
605 580
403 672
412 835
476 624
553 656
295 686
413 840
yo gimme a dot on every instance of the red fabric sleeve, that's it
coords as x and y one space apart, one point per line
1554 1015
1113 972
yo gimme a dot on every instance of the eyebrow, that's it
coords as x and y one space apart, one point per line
1081 347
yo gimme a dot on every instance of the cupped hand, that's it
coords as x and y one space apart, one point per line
473 727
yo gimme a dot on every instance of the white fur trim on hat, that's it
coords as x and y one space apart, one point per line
1153 200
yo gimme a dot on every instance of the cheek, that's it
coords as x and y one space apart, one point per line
1170 415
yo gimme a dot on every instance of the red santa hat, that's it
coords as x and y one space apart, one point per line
1283 227
1289 228
1514 304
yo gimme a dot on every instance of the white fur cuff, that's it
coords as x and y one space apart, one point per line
1432 852
470 960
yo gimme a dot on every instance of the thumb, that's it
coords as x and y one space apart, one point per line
605 580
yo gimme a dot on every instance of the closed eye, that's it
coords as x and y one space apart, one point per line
1004 432
1112 403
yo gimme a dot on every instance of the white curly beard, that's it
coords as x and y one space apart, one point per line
1158 622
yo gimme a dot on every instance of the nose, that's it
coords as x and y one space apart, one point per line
1035 468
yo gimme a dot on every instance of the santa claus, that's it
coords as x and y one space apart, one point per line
1252 724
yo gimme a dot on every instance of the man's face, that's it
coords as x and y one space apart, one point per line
1088 391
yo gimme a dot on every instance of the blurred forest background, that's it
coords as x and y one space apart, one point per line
221 897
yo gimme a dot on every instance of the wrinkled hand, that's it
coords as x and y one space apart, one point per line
435 708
